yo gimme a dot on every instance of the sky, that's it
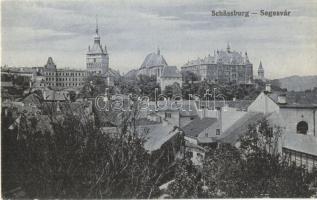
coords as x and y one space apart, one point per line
32 31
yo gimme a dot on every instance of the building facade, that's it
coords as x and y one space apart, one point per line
224 66
97 58
62 78
297 119
170 75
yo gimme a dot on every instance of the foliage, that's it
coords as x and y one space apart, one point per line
147 85
77 160
187 183
173 90
227 90
190 77
254 170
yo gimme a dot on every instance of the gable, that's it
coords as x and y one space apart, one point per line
263 104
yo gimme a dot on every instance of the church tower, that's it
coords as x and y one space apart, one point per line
97 58
261 72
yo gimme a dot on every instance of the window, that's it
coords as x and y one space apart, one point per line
302 127
217 131
168 115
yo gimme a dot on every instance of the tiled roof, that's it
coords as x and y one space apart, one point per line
295 99
239 104
52 95
144 122
152 60
32 99
158 135
240 127
194 128
222 56
171 72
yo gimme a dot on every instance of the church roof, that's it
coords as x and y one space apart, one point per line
153 60
171 72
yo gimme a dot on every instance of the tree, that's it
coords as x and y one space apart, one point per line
82 162
187 183
254 170
189 77
222 172
147 85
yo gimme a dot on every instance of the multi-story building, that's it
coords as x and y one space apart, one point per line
223 66
97 58
61 78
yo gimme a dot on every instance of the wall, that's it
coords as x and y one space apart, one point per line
292 116
101 65
263 104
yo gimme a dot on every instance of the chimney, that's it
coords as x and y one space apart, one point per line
281 99
268 88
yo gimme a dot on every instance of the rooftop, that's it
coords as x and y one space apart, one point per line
194 128
295 99
171 72
153 60
240 127
221 56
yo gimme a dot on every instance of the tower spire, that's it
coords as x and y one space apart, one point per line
97 24
228 47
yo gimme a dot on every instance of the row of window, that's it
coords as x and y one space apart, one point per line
64 84
65 73
64 79
96 65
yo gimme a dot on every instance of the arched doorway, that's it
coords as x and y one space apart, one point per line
302 127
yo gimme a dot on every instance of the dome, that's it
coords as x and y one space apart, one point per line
153 60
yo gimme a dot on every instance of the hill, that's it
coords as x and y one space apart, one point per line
297 83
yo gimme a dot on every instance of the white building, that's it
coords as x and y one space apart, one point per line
170 75
298 120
